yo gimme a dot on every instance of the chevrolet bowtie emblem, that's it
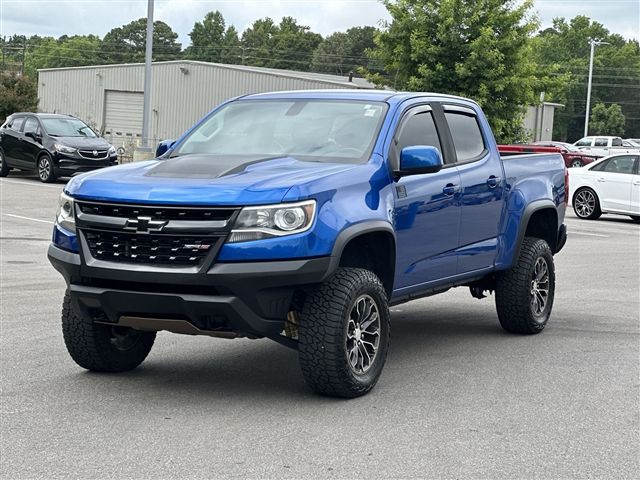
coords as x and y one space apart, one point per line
144 224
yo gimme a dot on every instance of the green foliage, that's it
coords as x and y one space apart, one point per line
212 42
606 120
344 52
17 94
126 44
286 45
475 49
563 51
64 52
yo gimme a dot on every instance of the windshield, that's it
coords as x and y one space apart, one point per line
316 130
67 127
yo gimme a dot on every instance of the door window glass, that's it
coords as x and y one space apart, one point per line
616 142
30 125
418 129
585 142
467 137
16 124
601 142
622 164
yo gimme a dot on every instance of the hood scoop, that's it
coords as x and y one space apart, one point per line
204 166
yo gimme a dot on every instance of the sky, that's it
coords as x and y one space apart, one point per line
59 17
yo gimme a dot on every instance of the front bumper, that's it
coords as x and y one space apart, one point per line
248 298
68 164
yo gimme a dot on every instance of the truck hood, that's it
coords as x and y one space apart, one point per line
201 180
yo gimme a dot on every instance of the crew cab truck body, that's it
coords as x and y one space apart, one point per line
301 217
602 146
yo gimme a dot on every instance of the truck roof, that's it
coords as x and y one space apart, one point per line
388 96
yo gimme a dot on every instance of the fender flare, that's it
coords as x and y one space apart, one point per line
529 210
353 231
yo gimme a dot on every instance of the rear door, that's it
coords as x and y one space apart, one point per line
12 141
482 182
613 181
427 208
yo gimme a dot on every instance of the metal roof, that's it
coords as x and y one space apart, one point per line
318 77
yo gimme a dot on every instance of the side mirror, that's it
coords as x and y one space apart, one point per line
164 146
419 159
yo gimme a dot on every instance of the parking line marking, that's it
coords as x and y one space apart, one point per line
28 218
589 234
16 182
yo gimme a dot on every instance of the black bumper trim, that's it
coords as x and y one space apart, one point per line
248 297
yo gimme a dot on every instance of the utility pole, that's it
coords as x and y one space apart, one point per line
24 54
593 44
146 109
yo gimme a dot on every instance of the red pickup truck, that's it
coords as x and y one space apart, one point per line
571 155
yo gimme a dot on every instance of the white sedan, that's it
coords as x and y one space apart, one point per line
610 185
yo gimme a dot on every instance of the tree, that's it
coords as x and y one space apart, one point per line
66 51
563 51
475 49
126 44
606 120
286 45
207 39
17 94
344 52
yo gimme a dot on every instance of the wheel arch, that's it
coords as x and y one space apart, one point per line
540 220
370 245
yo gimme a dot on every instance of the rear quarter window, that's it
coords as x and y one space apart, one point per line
467 136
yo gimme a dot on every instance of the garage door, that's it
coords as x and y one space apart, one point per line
123 113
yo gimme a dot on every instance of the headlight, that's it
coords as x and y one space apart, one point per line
64 216
256 223
112 150
64 148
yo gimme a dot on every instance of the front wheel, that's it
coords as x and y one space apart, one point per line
586 204
102 348
46 172
525 292
344 334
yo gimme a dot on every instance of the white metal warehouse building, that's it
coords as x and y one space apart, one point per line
110 98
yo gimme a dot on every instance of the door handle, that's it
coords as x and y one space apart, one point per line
636 182
450 189
601 179
493 181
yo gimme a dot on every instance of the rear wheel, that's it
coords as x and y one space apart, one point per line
4 168
525 292
586 204
46 172
102 348
344 334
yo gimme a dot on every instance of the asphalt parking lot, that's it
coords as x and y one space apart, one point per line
459 397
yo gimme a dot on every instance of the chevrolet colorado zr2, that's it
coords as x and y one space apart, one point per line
302 217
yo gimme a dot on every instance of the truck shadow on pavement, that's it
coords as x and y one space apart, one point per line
243 369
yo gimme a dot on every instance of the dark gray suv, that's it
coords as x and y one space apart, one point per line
53 145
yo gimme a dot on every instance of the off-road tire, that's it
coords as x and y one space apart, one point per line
4 168
323 333
90 344
514 290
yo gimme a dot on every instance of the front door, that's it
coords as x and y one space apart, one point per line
427 210
614 182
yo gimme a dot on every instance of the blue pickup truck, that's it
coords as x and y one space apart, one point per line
302 217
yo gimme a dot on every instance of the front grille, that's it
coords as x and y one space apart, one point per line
162 250
161 212
88 154
163 236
